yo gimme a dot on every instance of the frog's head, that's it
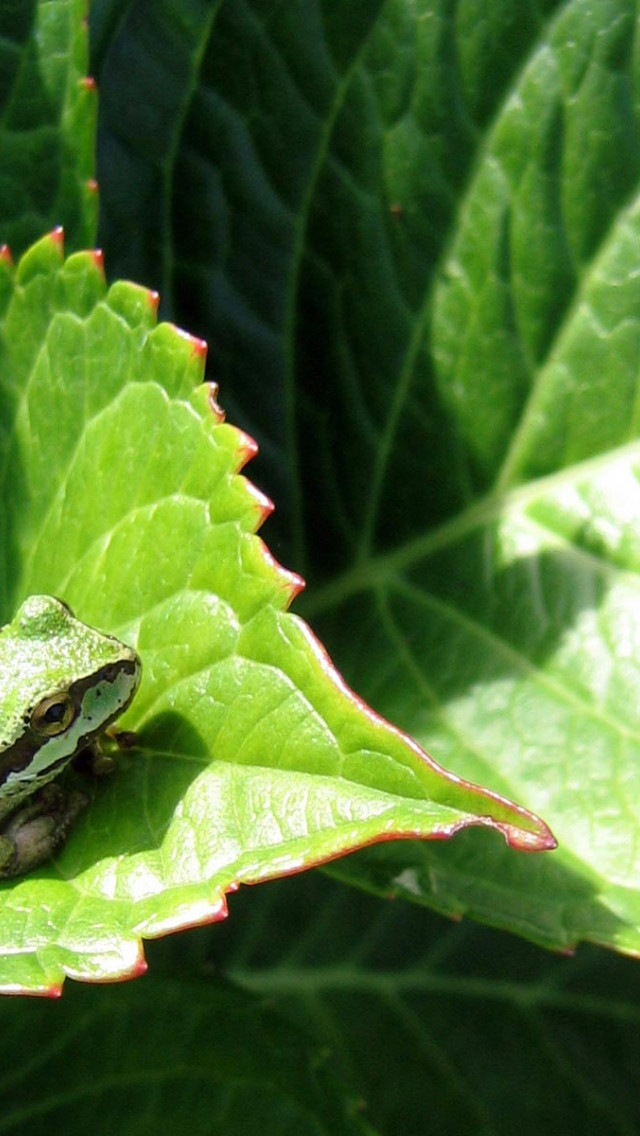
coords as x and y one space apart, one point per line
62 684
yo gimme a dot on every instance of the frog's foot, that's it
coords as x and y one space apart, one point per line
100 758
36 830
124 739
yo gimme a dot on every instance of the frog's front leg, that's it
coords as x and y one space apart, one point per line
100 757
36 830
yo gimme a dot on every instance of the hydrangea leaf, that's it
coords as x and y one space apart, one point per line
253 759
221 1061
48 111
421 221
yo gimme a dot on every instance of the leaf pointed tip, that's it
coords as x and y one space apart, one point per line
199 347
214 405
296 585
247 448
139 968
522 830
527 840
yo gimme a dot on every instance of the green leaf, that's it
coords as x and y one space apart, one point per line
227 1062
409 233
419 1009
47 130
121 495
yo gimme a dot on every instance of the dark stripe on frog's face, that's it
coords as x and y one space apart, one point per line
32 759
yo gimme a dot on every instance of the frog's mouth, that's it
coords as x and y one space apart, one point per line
99 698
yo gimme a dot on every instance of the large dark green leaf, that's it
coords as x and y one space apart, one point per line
439 1027
47 124
159 1056
409 232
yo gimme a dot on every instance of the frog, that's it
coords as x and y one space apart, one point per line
62 686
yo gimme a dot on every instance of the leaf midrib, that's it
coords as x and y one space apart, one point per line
290 979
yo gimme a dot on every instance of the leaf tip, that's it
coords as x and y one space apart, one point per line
295 585
214 405
5 254
88 83
247 449
54 991
521 829
139 964
524 832
290 583
531 835
56 237
139 967
200 347
540 839
264 509
197 345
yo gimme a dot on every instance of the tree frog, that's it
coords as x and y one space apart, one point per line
62 684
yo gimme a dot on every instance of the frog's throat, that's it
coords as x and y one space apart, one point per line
103 697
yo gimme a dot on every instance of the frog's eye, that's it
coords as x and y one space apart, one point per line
53 715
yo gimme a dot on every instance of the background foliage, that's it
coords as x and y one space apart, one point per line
408 231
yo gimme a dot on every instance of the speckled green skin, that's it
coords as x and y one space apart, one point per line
44 651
